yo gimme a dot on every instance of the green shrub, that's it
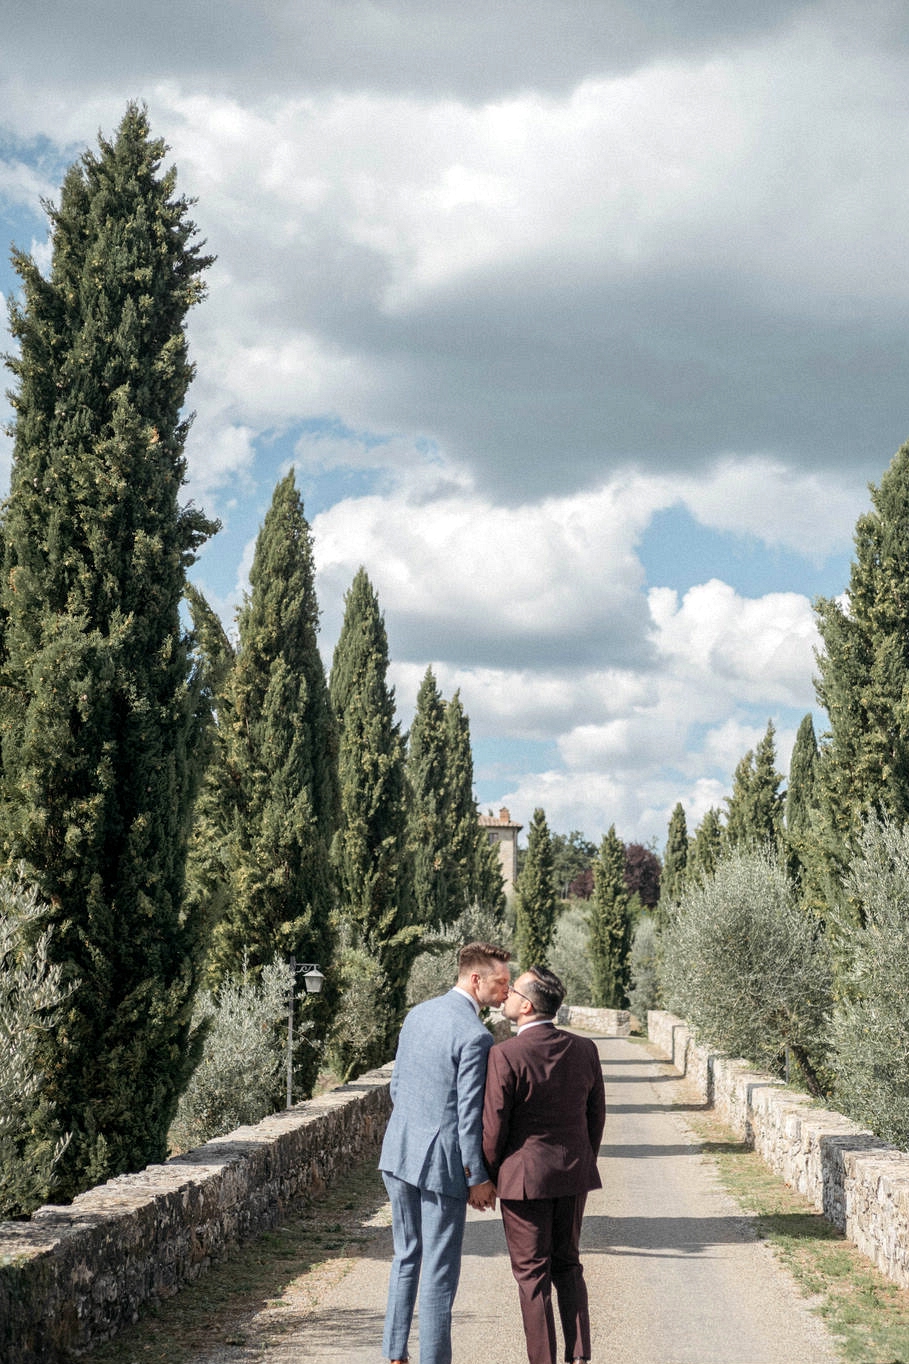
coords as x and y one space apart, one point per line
435 970
31 998
358 1036
747 968
240 1076
871 1025
645 968
569 954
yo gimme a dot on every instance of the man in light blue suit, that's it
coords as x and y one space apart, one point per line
432 1155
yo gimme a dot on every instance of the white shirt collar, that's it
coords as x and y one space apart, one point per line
458 991
537 1023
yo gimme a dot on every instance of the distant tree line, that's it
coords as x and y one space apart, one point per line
181 812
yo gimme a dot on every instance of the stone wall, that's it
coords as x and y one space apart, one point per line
71 1277
856 1180
605 1022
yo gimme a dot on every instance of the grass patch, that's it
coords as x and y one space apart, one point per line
290 1263
867 1315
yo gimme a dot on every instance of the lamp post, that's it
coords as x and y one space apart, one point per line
312 981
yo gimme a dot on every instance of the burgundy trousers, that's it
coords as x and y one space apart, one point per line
543 1236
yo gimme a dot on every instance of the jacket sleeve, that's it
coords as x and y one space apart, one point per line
471 1081
596 1103
497 1109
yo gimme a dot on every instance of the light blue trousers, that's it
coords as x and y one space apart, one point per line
428 1232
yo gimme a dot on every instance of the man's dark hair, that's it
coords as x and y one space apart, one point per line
545 991
475 956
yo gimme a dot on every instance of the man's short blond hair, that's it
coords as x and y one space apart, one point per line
480 956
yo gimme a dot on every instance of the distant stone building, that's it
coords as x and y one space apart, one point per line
502 831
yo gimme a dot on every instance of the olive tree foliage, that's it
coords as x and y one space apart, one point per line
871 1023
644 967
748 968
569 954
31 993
436 968
240 1077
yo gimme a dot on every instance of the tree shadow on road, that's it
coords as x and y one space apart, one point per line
685 1236
644 1151
658 1108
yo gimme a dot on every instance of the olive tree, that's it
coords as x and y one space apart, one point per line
748 968
871 1022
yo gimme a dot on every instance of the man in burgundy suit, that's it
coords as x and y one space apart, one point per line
543 1118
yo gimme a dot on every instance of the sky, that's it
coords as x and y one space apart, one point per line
583 323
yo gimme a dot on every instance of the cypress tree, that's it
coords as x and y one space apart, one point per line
801 795
371 858
706 848
489 886
207 868
755 807
675 859
101 718
427 774
476 877
610 926
535 898
863 676
281 755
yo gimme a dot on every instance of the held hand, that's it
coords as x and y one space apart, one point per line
482 1196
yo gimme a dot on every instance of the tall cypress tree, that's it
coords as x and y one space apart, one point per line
610 926
675 859
863 676
372 861
535 902
489 885
801 794
476 876
755 808
282 760
427 775
100 718
706 848
207 887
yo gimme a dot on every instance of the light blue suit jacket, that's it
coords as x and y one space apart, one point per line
434 1137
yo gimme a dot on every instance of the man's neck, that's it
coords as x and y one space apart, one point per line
463 991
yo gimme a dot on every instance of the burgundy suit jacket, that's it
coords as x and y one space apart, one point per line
543 1114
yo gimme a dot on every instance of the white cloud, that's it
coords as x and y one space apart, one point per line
776 504
563 570
763 648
